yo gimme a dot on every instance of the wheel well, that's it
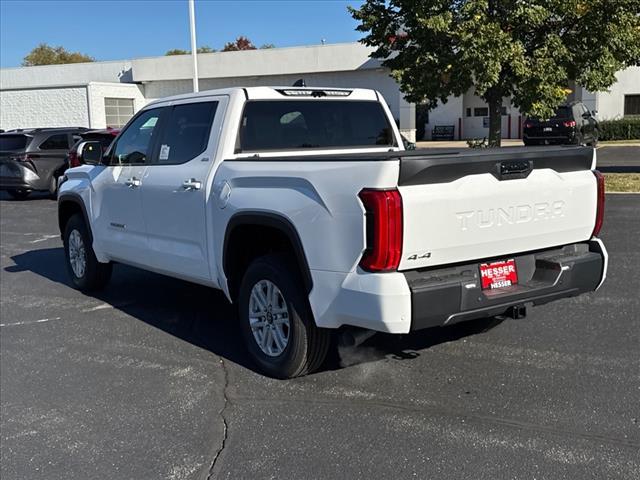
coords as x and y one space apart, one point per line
244 242
66 209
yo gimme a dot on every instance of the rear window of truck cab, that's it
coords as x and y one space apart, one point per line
268 125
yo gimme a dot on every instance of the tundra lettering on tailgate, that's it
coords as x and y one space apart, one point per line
496 217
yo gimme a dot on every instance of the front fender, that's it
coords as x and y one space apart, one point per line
75 193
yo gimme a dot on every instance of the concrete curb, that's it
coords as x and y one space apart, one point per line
623 144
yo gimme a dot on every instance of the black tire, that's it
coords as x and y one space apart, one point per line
53 186
19 194
307 345
96 275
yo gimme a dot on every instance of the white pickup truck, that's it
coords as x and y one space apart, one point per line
303 206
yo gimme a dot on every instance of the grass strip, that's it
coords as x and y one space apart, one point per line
622 182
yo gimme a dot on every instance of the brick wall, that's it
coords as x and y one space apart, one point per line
48 107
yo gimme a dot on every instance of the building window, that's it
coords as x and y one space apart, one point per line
118 111
468 112
503 110
481 112
631 105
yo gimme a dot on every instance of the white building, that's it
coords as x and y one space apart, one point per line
104 94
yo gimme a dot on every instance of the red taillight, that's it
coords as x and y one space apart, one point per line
569 123
74 161
528 125
599 203
384 229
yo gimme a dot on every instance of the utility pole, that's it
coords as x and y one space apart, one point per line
194 51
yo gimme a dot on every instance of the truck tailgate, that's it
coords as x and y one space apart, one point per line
473 205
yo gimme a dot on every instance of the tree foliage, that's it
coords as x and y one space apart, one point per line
45 54
205 49
240 43
529 50
179 51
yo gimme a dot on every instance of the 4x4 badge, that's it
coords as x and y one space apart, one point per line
417 257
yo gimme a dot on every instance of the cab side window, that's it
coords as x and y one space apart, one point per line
186 132
135 143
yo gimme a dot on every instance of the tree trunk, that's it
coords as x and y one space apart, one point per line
494 99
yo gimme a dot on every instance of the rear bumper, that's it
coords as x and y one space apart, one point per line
444 296
554 138
16 176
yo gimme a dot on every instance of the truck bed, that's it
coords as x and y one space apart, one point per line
471 204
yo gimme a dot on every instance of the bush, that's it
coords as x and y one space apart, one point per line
622 129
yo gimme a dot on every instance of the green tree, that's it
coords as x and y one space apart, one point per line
529 50
45 54
240 43
179 51
205 49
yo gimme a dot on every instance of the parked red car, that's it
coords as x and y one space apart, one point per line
105 137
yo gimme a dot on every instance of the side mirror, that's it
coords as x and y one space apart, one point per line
594 112
90 153
408 145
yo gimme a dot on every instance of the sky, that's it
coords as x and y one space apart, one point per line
125 29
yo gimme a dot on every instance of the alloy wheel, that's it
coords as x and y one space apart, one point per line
77 254
269 318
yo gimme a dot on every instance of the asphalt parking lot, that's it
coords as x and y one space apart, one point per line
619 158
149 380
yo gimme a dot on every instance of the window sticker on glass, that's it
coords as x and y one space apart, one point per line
150 123
164 152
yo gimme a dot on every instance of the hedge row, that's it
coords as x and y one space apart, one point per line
622 129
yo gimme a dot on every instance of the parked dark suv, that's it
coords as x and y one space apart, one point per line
32 159
572 123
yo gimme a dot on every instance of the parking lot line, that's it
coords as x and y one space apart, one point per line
44 238
29 322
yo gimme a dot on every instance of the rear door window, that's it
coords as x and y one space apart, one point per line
185 134
313 124
56 142
14 142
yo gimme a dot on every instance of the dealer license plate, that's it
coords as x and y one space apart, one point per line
547 129
498 274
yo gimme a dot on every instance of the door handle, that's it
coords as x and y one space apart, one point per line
133 182
192 184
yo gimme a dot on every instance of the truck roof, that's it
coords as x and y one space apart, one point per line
279 93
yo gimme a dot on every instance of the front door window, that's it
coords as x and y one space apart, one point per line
134 144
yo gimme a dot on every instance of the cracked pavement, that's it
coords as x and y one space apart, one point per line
149 380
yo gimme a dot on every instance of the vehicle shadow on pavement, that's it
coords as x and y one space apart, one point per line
408 347
5 197
203 317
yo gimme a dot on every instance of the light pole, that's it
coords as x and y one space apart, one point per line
194 51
